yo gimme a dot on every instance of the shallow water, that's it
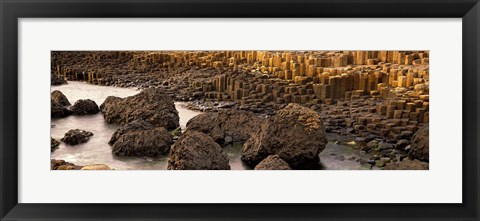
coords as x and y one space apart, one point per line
97 150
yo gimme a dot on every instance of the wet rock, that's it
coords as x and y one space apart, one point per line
57 110
150 105
381 162
96 167
110 100
53 144
384 146
197 151
407 164
238 125
150 143
74 137
401 144
295 133
84 107
56 80
130 127
60 98
273 162
419 149
62 165
371 145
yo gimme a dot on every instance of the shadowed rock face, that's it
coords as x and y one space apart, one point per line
60 98
74 137
149 105
295 133
227 125
57 110
55 80
407 164
420 144
130 127
62 165
84 107
273 162
197 151
53 144
96 167
149 143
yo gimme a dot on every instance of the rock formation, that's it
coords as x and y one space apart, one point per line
419 149
57 110
53 144
407 164
62 165
226 126
57 80
60 98
197 151
273 162
130 127
84 107
96 167
76 136
150 105
295 133
143 143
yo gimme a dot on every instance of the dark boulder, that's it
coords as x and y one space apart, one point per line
62 165
143 143
96 167
419 149
76 136
109 101
407 164
226 126
273 162
53 144
295 133
57 110
56 80
150 105
197 151
60 98
84 107
130 127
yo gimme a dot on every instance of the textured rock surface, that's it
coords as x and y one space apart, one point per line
130 127
197 151
84 107
60 98
74 137
53 144
273 162
295 133
226 126
57 110
62 165
420 144
55 80
152 143
150 105
407 164
96 167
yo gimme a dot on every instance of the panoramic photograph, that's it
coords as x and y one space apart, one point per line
239 110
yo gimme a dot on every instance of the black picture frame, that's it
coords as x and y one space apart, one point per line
11 11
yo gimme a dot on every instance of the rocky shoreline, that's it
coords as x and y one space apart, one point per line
241 103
